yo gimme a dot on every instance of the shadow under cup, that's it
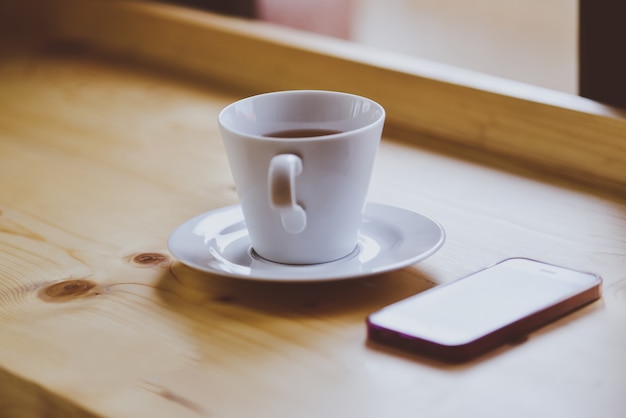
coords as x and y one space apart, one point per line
330 140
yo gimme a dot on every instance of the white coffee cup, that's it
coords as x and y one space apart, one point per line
302 196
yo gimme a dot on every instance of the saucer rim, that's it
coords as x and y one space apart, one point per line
324 275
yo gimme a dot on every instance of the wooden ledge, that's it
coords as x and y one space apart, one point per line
572 137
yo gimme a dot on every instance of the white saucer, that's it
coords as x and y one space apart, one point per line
390 238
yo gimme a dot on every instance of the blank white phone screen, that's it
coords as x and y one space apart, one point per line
481 303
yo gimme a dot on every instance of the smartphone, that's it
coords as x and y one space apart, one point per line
500 304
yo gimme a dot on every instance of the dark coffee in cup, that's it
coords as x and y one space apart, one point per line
302 133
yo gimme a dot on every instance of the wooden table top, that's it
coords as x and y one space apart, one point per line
101 158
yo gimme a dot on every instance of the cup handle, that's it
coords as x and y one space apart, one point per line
282 174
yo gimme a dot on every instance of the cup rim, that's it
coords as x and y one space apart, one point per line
226 109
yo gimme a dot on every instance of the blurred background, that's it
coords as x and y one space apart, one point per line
533 41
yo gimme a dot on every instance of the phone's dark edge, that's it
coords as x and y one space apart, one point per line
482 345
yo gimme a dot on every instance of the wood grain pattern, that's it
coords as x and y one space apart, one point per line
22 399
100 158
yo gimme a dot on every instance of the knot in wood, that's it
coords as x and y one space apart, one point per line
68 289
150 259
